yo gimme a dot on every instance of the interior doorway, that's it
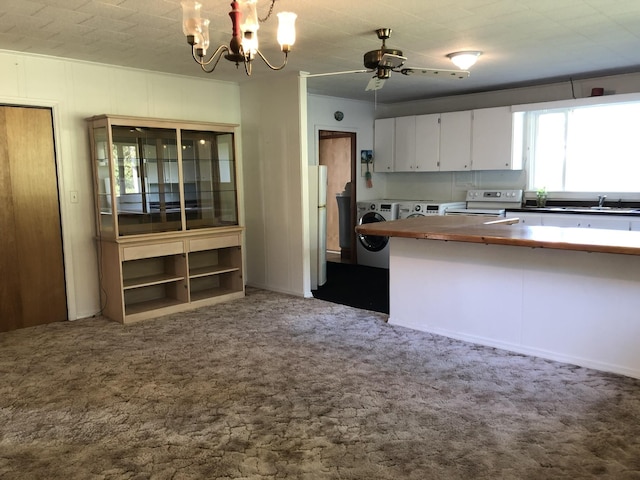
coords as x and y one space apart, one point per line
337 150
32 291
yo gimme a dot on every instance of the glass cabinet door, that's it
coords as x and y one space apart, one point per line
208 169
146 181
102 180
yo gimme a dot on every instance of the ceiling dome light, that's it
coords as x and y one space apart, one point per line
464 60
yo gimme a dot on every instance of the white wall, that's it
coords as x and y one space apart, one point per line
358 118
275 183
77 90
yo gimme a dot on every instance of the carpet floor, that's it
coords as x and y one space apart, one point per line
274 386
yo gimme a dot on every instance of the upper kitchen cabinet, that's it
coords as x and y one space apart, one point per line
384 145
428 143
417 143
492 140
405 144
455 141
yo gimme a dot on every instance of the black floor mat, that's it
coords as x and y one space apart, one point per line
357 286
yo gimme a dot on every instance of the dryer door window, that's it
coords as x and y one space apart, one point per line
373 243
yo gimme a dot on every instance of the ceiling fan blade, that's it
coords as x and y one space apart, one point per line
309 75
375 84
435 72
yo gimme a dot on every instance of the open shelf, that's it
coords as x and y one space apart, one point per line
150 305
150 280
214 270
210 293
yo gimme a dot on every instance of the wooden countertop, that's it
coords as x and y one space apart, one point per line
476 229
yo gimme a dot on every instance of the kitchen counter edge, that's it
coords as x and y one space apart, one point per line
486 230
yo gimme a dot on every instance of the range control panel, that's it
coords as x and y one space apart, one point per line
495 196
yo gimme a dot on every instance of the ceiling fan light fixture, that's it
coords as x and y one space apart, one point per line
390 60
464 60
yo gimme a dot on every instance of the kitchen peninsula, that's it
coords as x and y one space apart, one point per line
565 294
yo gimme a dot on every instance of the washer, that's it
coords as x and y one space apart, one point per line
423 208
373 251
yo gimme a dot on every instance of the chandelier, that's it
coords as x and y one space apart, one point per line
243 47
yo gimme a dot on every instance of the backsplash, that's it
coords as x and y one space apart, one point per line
446 186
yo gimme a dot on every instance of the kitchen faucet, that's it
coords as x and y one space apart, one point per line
601 199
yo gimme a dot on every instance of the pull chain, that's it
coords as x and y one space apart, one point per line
262 20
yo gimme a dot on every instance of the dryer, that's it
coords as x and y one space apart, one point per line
373 251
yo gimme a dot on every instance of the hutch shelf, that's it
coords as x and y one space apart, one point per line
167 215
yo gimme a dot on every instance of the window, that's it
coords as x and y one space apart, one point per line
584 149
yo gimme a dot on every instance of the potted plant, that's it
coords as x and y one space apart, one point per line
541 197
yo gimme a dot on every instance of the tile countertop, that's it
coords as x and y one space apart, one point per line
482 230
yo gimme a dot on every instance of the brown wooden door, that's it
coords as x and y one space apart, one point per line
32 285
337 151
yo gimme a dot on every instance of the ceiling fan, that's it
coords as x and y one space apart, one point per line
385 60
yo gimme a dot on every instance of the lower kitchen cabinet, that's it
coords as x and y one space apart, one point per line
585 221
528 219
144 277
575 221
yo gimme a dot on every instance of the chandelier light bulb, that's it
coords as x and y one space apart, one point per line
286 30
190 17
249 16
202 37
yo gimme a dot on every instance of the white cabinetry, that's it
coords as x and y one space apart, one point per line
417 143
428 143
384 145
575 221
585 221
527 219
491 140
455 141
479 139
405 144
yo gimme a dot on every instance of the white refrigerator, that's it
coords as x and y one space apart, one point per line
318 224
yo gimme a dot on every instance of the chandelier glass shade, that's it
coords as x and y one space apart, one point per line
243 47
